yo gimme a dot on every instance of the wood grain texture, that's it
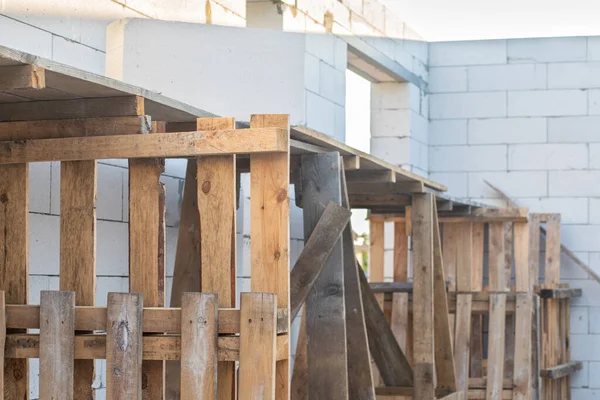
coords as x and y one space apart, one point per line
391 362
18 79
552 249
423 314
199 341
145 191
444 356
376 254
476 346
327 351
462 341
360 379
521 254
57 345
477 257
534 249
2 340
450 241
400 320
49 129
299 384
316 251
69 109
522 362
180 144
496 336
78 249
269 226
14 264
499 271
124 346
216 193
257 346
400 252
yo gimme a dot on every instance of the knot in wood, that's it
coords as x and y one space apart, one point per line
122 335
332 289
4 198
282 195
18 374
206 187
277 254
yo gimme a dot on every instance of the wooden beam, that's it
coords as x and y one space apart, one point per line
423 302
522 358
376 255
391 287
57 340
199 341
562 370
360 378
155 347
69 109
258 346
496 340
78 248
370 176
351 162
315 254
383 186
18 79
327 351
182 144
2 339
391 362
216 206
299 382
154 319
64 128
560 293
14 264
123 346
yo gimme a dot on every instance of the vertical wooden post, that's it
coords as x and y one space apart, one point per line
376 255
57 345
523 358
144 265
258 334
78 249
2 341
14 265
299 385
269 229
423 346
327 352
124 346
360 379
400 320
216 207
199 337
477 286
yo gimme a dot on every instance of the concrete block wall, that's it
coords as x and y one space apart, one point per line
523 114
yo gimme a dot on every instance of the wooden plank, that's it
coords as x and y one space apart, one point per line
156 347
2 340
391 287
496 336
370 176
444 355
316 251
476 369
61 128
498 268
509 346
400 252
69 109
464 261
124 346
451 242
162 243
561 371
400 323
462 341
155 319
78 249
181 144
535 349
423 303
560 293
521 254
144 236
522 363
376 255
18 79
476 345
216 206
299 384
257 346
199 341
391 362
14 264
553 249
477 247
57 339
360 382
270 219
534 250
326 349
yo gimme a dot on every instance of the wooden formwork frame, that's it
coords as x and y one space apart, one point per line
79 134
506 297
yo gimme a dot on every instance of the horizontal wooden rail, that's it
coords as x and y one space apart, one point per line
405 391
560 293
480 302
560 371
155 319
179 144
155 347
